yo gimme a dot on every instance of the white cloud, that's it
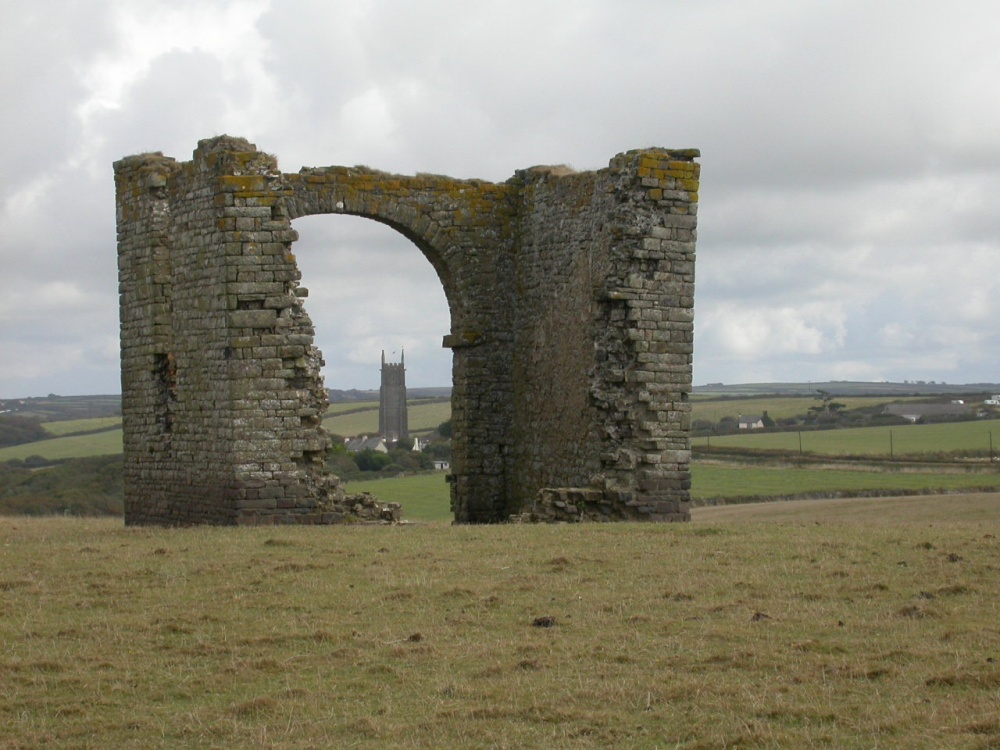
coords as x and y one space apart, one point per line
371 289
367 117
763 332
850 171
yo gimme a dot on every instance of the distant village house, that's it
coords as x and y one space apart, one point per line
751 422
365 443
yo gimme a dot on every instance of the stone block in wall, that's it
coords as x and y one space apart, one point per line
253 318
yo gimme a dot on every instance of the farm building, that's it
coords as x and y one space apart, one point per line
914 412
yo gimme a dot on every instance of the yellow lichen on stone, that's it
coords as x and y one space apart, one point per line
684 168
243 182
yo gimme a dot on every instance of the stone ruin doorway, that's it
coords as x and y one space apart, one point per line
571 298
371 293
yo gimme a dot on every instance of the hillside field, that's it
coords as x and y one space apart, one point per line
757 474
80 438
974 436
422 417
104 443
75 426
802 629
777 407
349 419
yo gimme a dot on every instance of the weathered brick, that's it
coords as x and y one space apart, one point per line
571 333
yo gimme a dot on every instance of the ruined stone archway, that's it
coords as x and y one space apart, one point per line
571 299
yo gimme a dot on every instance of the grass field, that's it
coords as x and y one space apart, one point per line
903 439
70 426
350 406
73 446
421 417
424 497
907 511
104 441
711 481
800 630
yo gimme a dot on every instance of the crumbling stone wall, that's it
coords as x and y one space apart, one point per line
605 331
571 300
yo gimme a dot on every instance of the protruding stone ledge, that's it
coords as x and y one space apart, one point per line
463 340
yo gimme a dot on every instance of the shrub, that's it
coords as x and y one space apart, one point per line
15 430
369 460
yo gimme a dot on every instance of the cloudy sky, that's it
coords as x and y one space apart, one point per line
850 201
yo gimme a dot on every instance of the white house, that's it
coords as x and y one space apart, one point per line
751 422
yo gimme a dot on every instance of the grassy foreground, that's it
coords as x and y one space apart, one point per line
719 633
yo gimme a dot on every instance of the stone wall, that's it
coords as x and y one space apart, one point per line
571 329
605 281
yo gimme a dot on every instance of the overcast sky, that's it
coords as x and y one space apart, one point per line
849 225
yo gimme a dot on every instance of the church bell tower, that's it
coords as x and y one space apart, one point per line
392 421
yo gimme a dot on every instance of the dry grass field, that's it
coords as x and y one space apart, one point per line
844 625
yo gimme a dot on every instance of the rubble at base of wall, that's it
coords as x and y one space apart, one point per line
366 507
363 508
590 505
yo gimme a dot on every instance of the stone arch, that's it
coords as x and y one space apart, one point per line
570 298
310 199
450 221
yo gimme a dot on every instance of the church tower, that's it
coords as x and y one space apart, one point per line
392 421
